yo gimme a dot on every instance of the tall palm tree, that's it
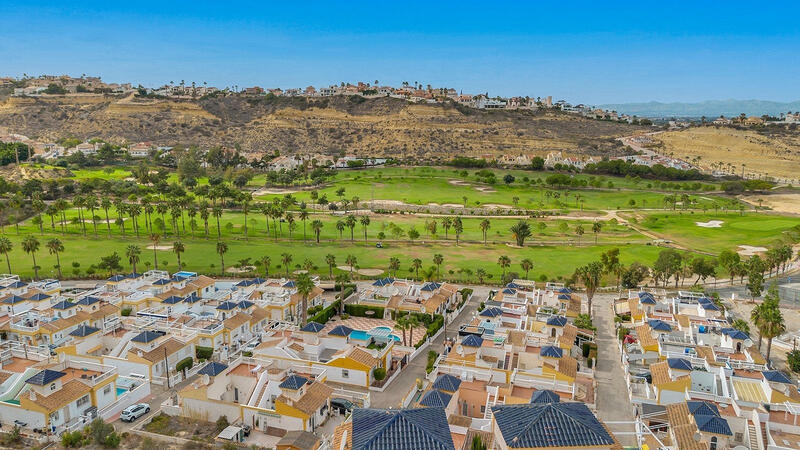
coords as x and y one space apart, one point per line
121 208
105 203
30 245
245 198
304 286
154 238
340 227
330 259
266 261
485 225
458 227
350 221
91 204
222 248
204 214
394 265
521 231
5 248
316 226
217 212
286 260
416 264
78 201
54 246
351 261
438 259
365 223
304 217
526 265
596 228
590 277
446 224
504 261
178 248
132 252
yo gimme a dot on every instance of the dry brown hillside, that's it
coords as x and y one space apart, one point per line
376 127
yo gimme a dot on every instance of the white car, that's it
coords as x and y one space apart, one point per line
250 347
133 412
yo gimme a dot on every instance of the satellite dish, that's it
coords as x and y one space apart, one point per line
697 436
206 379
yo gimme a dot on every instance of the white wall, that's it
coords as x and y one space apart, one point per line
126 368
9 413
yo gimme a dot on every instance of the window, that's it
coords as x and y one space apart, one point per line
53 387
345 373
83 400
713 445
107 389
483 409
54 416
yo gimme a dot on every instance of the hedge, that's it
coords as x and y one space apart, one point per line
203 352
433 328
325 315
361 311
185 363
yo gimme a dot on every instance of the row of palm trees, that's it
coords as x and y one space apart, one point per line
31 245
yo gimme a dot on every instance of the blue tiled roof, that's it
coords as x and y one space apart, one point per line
679 364
212 369
659 325
258 280
17 285
435 399
39 296
431 286
13 299
191 298
383 282
83 331
340 330
509 291
713 424
178 278
312 327
88 300
491 312
643 294
244 304
564 290
776 377
551 351
446 382
513 285
735 334
63 304
702 408
289 284
647 299
472 341
563 297
44 377
293 382
545 396
226 306
558 321
147 336
401 429
550 425
162 282
172 299
708 306
116 278
133 275
244 283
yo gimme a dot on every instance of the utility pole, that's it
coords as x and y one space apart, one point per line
166 367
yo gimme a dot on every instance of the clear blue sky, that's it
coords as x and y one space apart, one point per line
593 52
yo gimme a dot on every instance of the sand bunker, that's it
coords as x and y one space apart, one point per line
496 206
370 272
346 268
485 189
160 247
298 272
240 269
264 191
453 205
387 203
458 183
710 224
749 250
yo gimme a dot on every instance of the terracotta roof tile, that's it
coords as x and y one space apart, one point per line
69 392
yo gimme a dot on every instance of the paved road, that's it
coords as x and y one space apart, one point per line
158 395
390 398
613 403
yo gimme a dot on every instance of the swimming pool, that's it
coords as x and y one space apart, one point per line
359 334
121 390
364 335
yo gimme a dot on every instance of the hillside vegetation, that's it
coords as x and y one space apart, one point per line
375 127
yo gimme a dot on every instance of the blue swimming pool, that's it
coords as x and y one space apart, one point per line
121 391
364 336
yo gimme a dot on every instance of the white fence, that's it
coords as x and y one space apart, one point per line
127 398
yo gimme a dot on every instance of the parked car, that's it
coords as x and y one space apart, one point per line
133 412
246 430
342 405
250 347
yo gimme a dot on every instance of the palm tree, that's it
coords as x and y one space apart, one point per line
458 227
217 212
178 248
340 226
304 286
504 261
590 277
365 223
154 238
132 252
438 259
351 261
78 201
245 198
30 245
304 216
222 248
521 231
526 265
91 203
772 326
394 265
350 221
596 228
286 260
485 225
579 231
446 224
105 203
204 214
416 264
266 261
316 226
5 248
331 261
54 246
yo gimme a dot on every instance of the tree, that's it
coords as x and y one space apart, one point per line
633 275
458 227
54 246
350 221
526 265
485 225
729 260
504 262
30 245
667 264
508 179
596 228
611 265
304 216
266 261
5 248
154 238
772 323
178 248
316 226
446 224
413 234
91 204
394 265
217 213
438 259
365 223
132 252
222 248
416 264
579 231
351 261
286 260
304 286
755 277
741 325
589 275
481 274
111 263
331 261
521 231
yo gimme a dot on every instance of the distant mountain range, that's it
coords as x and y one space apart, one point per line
709 108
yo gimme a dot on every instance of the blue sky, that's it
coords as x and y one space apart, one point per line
580 51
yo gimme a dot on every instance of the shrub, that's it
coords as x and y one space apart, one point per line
585 349
379 373
361 311
203 352
158 424
590 362
222 423
432 355
326 313
623 331
185 363
126 311
793 360
72 439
